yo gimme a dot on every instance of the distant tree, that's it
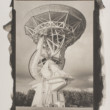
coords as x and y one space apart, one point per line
86 99
82 98
20 99
24 99
29 97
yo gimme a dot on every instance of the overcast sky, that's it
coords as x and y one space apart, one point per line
79 57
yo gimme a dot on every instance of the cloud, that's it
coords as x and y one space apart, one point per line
82 81
22 84
78 89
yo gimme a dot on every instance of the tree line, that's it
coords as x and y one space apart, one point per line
72 98
76 98
22 99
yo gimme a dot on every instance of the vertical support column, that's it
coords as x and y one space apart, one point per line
55 96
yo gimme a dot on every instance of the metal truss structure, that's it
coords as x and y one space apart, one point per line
52 28
59 29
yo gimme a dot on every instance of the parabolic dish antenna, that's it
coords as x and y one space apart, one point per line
60 25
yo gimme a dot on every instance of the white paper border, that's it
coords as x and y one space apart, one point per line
6 82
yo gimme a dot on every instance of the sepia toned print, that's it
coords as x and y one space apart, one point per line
54 54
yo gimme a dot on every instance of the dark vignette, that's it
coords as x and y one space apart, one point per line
98 80
97 65
13 55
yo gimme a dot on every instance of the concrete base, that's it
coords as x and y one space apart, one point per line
48 94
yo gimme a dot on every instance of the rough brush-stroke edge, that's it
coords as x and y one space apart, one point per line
98 57
10 27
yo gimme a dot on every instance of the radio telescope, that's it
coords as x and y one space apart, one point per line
52 28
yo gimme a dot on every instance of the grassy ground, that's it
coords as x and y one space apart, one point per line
36 108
